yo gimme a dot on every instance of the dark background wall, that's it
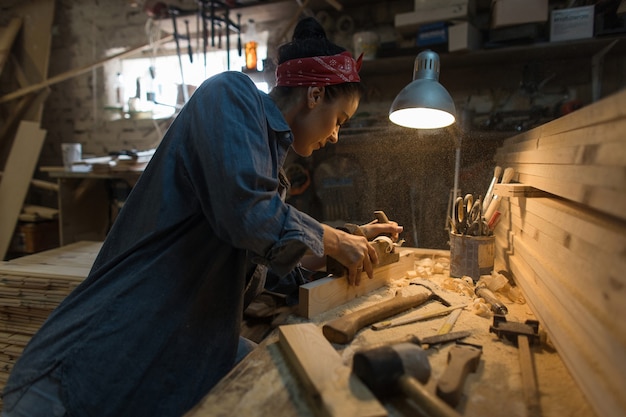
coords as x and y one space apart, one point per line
499 90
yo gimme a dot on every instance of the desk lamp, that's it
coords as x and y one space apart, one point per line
426 104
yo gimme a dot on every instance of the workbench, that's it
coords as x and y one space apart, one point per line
88 203
265 382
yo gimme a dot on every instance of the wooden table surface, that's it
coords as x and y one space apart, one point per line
264 383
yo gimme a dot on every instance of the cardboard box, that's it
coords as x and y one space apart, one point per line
410 22
517 12
421 5
432 34
573 23
463 37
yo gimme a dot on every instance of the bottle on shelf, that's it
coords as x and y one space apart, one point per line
251 46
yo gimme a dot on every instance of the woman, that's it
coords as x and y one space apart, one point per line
156 323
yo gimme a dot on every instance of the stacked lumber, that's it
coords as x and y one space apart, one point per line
565 241
579 157
30 288
29 35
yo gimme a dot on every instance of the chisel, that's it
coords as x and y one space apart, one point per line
408 320
427 341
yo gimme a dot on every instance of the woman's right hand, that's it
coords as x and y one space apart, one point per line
352 251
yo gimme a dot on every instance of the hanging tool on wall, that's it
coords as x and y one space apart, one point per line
174 12
212 17
205 33
239 45
189 50
219 23
219 35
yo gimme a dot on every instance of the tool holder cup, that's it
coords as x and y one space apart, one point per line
471 256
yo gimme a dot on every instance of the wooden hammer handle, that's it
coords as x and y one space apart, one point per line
429 403
343 329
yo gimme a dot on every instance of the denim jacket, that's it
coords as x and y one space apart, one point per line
155 325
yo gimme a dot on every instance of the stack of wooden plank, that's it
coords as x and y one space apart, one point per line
563 236
30 288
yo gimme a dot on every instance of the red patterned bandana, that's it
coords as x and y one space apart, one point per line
319 70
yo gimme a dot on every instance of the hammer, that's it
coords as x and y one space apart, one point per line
403 367
522 335
343 329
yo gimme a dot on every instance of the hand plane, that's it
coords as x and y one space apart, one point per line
385 249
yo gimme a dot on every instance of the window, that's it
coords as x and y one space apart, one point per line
151 86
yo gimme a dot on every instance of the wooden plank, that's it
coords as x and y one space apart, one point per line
572 343
571 223
321 295
569 262
516 190
33 46
331 387
32 286
569 256
7 37
602 176
592 281
603 111
16 179
261 385
609 201
595 134
591 350
78 254
607 153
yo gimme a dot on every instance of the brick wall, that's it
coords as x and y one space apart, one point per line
74 111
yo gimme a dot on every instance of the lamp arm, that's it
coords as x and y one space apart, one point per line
457 167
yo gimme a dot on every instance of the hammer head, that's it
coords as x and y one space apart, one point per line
433 295
511 330
380 368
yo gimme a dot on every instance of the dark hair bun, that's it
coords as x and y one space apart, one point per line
308 28
309 39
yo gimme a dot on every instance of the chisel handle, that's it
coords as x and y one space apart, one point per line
496 305
462 359
343 329
381 216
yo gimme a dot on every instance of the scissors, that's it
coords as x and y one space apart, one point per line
468 216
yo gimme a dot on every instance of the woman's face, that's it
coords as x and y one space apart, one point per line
319 120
